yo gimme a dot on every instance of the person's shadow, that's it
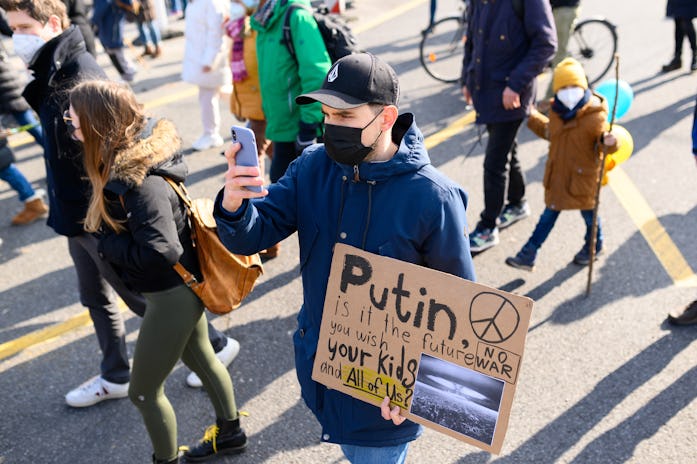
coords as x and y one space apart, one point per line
616 445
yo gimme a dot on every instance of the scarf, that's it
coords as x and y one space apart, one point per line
235 30
265 12
567 114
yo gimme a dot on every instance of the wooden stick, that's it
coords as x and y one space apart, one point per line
596 207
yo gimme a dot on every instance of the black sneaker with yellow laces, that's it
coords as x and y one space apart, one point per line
224 437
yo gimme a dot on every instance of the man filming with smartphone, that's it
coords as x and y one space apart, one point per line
370 185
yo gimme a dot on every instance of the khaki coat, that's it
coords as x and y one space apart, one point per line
573 166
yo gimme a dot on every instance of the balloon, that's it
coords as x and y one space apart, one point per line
609 166
625 97
626 144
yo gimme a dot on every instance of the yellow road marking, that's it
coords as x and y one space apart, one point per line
453 129
650 227
12 347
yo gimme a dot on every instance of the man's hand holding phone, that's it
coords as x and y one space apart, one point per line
239 180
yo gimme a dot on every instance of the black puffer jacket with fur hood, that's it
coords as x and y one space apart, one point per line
157 232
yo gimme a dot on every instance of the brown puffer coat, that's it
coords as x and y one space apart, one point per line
571 172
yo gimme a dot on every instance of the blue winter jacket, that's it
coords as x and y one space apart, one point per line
109 21
503 49
403 208
681 9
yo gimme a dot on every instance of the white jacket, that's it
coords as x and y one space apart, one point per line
206 44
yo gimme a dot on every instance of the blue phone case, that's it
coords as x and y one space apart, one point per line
247 156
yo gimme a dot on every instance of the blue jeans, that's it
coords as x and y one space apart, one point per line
149 33
546 224
27 117
17 181
376 455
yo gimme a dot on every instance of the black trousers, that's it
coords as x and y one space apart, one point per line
502 142
684 27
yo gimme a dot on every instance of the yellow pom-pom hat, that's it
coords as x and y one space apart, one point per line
569 72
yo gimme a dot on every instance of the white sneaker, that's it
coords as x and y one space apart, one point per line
94 391
207 141
226 355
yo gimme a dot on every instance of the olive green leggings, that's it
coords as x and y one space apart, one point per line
174 327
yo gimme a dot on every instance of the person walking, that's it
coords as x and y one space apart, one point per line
34 206
245 100
374 185
148 29
689 315
205 64
143 231
282 77
508 44
577 132
682 12
108 19
11 101
41 41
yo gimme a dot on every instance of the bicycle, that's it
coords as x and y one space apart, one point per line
442 47
593 43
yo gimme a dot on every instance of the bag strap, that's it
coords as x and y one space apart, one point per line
287 36
189 279
181 191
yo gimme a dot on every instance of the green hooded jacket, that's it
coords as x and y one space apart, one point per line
281 78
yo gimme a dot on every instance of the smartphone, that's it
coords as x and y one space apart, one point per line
247 156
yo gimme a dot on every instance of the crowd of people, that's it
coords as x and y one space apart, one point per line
107 164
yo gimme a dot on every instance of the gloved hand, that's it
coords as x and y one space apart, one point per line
307 135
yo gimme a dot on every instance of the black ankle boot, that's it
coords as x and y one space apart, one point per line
225 437
162 461
693 65
674 65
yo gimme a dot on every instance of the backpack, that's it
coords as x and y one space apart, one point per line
336 34
130 8
227 277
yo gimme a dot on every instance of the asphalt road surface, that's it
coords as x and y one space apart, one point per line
603 379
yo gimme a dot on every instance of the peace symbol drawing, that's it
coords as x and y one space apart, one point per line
494 318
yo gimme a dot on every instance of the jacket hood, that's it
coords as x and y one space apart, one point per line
410 156
58 51
156 151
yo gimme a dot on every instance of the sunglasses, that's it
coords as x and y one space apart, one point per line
69 121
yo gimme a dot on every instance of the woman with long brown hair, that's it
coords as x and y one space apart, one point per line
143 232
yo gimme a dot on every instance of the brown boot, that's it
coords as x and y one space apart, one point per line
271 252
33 210
148 51
157 51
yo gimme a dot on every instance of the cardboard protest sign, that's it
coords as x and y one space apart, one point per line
444 349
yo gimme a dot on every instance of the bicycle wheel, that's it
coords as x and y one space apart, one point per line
442 48
593 44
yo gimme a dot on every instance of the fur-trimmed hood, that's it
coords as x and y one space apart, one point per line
156 151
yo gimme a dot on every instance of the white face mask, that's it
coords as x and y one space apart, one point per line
26 46
250 4
570 96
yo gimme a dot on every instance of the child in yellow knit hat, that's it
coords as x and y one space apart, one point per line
576 129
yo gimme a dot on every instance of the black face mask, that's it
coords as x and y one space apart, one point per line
343 144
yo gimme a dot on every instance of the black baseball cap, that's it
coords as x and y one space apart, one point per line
355 80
